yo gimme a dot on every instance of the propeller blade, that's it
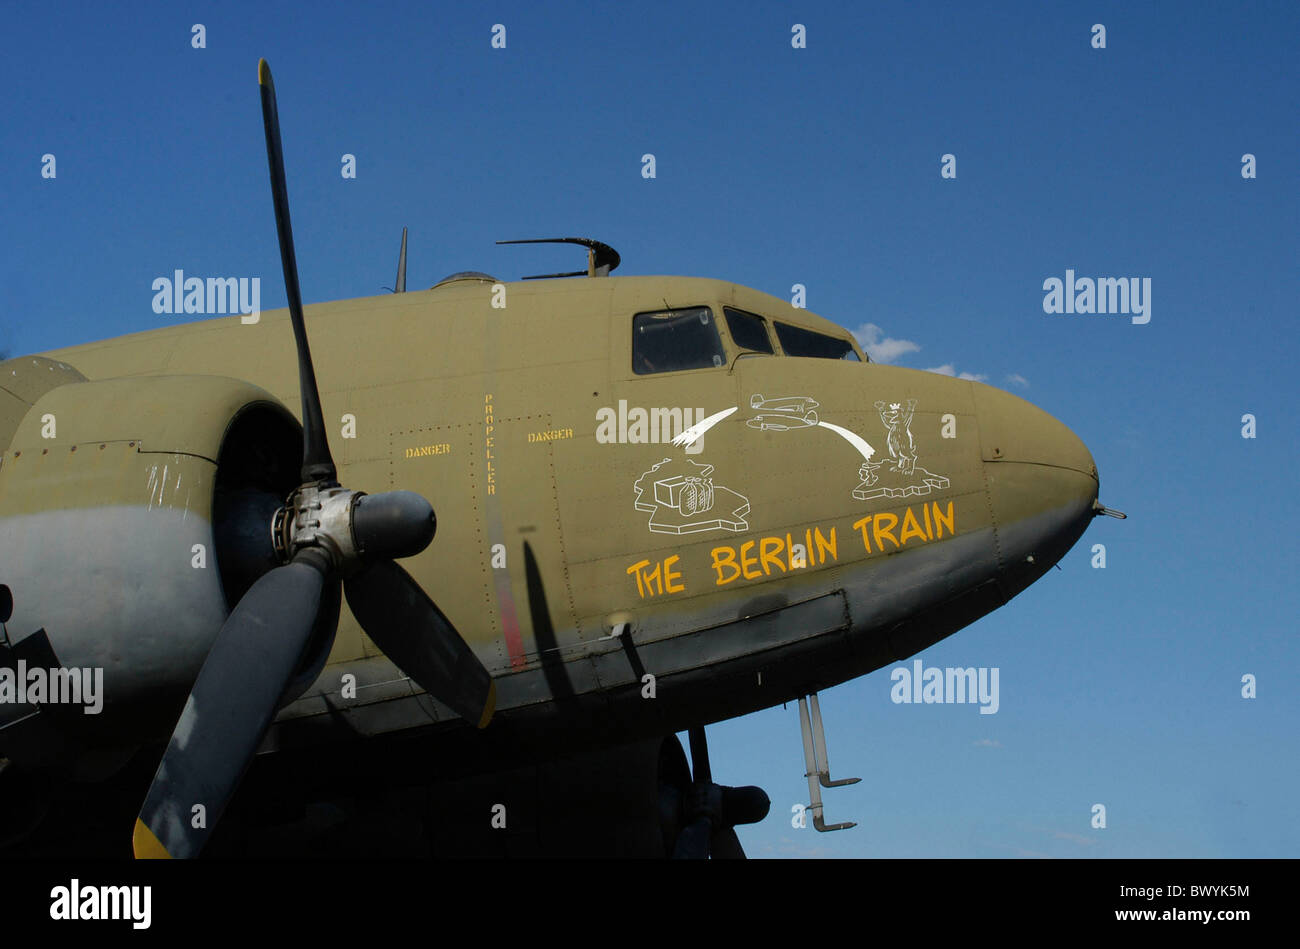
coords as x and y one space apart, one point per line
229 708
414 633
693 841
700 755
317 463
725 845
717 809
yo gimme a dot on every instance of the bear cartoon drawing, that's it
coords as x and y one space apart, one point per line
898 419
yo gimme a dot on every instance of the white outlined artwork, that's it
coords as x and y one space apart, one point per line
853 438
692 435
897 476
681 498
798 411
781 415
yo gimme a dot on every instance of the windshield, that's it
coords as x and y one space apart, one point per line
669 340
747 330
797 341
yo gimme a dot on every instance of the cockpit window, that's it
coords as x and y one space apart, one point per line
669 340
747 330
797 341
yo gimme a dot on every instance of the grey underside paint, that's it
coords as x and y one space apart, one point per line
114 588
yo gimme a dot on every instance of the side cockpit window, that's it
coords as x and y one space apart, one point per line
797 341
748 331
669 340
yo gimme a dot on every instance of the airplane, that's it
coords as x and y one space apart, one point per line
642 527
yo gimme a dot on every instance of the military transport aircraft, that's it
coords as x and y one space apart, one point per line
662 502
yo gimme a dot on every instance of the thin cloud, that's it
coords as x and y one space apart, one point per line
988 743
1017 379
886 349
948 369
881 348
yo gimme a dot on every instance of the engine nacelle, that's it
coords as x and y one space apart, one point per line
109 493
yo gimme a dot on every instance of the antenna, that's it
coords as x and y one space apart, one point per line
400 285
601 258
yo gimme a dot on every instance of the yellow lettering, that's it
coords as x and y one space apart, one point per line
911 527
823 546
880 532
670 576
635 570
720 561
940 520
929 533
861 524
768 550
553 435
745 562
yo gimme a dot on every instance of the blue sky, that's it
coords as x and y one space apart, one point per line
818 166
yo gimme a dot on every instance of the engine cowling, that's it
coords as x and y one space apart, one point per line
109 493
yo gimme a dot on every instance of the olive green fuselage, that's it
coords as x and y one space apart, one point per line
843 515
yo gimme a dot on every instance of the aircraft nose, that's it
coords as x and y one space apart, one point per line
1014 430
1042 484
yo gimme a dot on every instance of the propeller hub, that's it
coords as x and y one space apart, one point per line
353 528
319 515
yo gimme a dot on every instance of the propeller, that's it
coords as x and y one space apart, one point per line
325 535
714 810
